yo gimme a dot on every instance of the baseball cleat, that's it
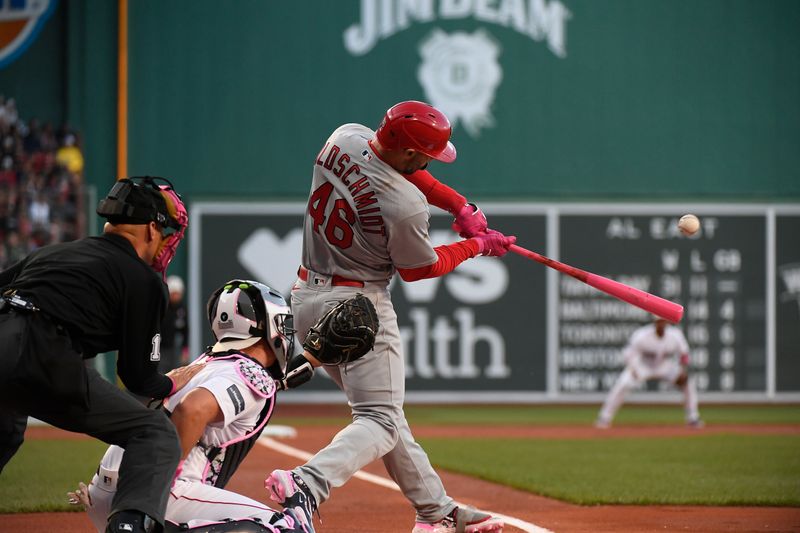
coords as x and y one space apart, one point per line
463 519
291 492
696 423
602 424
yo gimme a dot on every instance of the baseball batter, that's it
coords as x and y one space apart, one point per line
655 351
218 415
368 218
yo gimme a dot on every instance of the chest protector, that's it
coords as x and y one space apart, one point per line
224 459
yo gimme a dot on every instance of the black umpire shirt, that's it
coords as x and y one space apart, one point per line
102 292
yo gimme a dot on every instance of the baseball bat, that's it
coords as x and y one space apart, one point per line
641 299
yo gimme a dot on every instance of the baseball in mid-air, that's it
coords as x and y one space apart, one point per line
689 224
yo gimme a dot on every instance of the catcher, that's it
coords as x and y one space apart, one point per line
224 408
655 351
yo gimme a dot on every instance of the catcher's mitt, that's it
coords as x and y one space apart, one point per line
345 333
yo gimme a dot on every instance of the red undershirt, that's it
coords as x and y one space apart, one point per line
449 255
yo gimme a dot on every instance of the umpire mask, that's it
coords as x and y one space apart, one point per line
242 312
141 200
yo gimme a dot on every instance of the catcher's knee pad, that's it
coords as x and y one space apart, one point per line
231 526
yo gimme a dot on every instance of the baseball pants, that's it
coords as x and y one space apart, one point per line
28 343
375 389
190 502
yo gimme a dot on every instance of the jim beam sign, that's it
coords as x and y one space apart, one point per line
460 71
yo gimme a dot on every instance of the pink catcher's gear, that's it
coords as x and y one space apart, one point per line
180 219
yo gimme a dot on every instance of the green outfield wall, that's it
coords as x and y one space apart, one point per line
576 99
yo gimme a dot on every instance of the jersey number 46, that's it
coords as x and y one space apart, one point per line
339 227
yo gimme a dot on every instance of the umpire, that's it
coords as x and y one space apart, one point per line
67 302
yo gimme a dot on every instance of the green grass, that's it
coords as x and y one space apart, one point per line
697 470
539 415
708 469
536 415
38 477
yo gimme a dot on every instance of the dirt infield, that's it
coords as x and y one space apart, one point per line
365 507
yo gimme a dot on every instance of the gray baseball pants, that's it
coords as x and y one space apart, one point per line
375 389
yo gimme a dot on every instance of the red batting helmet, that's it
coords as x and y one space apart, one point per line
418 126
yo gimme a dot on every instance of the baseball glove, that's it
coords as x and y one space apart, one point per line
345 333
681 380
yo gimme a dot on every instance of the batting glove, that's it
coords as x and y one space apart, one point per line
494 243
470 221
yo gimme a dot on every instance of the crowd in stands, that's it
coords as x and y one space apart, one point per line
41 184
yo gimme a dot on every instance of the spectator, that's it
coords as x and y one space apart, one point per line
15 248
70 156
8 174
174 338
41 184
31 142
39 212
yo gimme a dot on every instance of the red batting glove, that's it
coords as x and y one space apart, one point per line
494 243
470 221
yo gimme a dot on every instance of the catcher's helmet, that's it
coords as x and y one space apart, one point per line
418 126
242 312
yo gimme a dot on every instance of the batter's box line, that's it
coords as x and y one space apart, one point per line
291 451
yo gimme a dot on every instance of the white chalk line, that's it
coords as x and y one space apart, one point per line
291 451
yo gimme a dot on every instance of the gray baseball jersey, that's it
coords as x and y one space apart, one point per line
363 218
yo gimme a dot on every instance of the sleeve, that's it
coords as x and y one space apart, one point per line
8 276
449 257
408 242
683 344
633 349
140 343
436 192
683 347
235 399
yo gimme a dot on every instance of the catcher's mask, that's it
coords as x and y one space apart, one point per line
242 312
141 200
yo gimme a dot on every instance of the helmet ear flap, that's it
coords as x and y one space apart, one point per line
211 309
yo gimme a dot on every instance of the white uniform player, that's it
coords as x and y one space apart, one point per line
367 218
236 394
655 351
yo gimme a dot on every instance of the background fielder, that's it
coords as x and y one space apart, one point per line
655 351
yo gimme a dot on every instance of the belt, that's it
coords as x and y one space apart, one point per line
11 298
337 281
